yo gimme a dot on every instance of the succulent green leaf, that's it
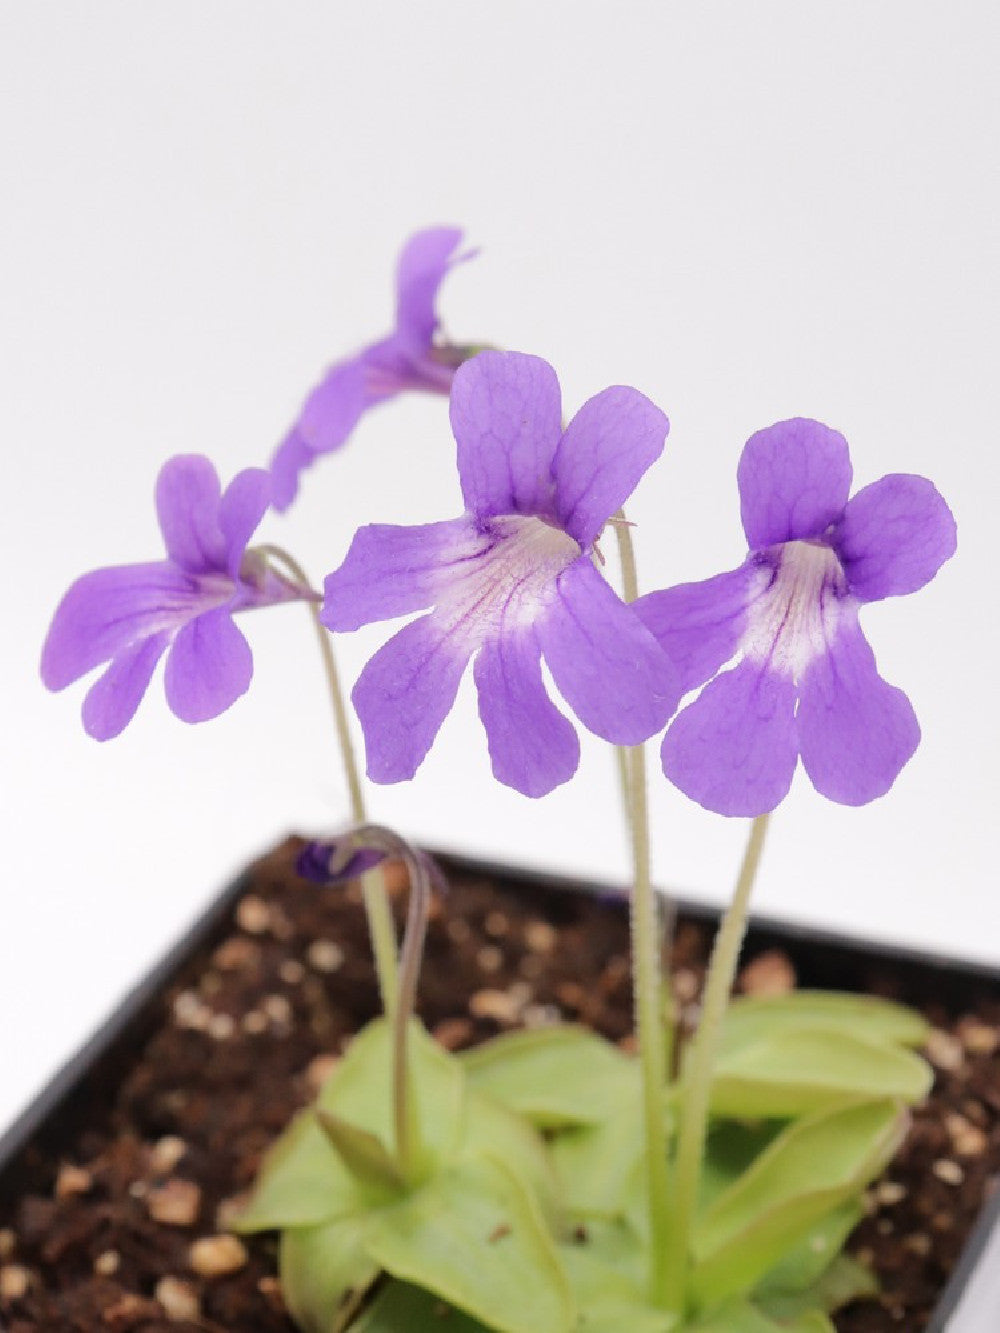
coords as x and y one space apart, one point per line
796 1072
843 1280
742 1317
360 1089
730 1148
810 1321
492 1130
606 1272
304 1179
750 1018
365 1156
596 1163
325 1272
734 1317
803 1265
301 1182
476 1237
562 1075
810 1169
402 1308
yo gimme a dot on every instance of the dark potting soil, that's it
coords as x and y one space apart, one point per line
121 1226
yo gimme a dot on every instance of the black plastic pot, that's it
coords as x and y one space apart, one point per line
969 1304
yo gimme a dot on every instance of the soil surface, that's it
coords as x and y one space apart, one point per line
118 1219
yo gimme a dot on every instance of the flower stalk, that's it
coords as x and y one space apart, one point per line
696 1086
405 1121
648 981
377 909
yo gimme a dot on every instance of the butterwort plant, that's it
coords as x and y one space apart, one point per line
547 1180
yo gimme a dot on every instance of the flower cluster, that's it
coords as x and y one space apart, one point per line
385 1190
775 647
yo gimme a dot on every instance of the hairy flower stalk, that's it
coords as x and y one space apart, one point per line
648 980
357 853
381 929
696 1085
406 1123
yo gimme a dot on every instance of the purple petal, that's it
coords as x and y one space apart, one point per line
390 571
506 415
734 749
111 701
209 666
335 405
290 460
533 748
856 731
108 610
794 479
698 625
404 694
894 537
187 506
606 664
603 455
423 263
244 503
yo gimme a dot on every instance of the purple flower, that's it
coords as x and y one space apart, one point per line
407 359
130 615
510 582
360 849
804 682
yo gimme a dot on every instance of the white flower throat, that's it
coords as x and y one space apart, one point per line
795 614
512 577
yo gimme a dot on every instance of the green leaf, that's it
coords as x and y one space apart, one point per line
301 1182
365 1156
796 1072
841 1281
734 1317
402 1308
810 1321
303 1179
596 1163
730 1149
742 1317
491 1130
802 1266
562 1075
476 1237
325 1272
750 1018
809 1170
607 1282
360 1090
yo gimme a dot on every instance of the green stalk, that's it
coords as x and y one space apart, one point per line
378 911
647 988
405 1122
696 1086
647 976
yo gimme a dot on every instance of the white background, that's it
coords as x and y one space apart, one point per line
747 211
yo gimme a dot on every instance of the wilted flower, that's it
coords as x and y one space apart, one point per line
511 582
805 681
408 358
358 850
129 615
